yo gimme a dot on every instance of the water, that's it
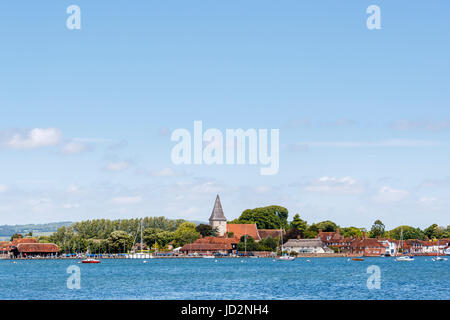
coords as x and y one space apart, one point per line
321 278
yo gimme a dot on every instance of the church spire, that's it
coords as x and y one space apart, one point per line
217 213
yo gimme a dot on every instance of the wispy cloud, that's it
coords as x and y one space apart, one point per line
126 200
3 188
345 185
73 147
35 138
427 125
117 166
388 195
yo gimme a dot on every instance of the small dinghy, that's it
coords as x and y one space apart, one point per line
90 261
358 259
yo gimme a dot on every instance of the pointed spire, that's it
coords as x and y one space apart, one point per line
217 213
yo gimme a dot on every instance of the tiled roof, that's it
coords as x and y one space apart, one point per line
37 247
242 229
217 213
265 233
16 241
206 247
217 240
304 243
5 245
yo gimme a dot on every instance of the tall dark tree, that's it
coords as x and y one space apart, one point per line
206 230
298 225
378 229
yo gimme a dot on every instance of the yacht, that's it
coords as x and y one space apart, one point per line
284 257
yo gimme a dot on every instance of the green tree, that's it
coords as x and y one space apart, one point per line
120 241
351 232
271 217
408 233
299 224
268 244
186 233
16 236
435 232
378 229
249 245
161 237
206 230
326 226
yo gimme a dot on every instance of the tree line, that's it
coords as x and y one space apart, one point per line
119 236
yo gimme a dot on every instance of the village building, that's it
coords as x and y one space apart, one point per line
25 250
368 247
211 245
217 218
391 247
238 230
306 246
5 248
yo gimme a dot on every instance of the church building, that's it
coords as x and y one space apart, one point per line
217 218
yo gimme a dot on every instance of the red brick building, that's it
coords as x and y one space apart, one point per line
211 245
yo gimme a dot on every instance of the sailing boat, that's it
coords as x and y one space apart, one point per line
284 257
403 258
140 255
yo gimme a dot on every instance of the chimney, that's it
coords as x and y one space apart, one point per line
320 230
364 235
338 231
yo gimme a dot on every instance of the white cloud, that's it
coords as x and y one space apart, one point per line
35 138
387 194
428 200
127 200
3 188
345 185
70 206
73 148
117 166
73 188
263 189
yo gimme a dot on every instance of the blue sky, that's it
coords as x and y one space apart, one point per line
364 115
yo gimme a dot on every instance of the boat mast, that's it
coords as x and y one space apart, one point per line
141 235
245 240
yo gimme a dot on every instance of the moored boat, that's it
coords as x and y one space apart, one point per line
90 260
285 258
404 258
358 259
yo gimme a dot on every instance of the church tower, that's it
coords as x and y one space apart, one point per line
218 219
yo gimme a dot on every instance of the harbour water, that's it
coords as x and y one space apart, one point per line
263 278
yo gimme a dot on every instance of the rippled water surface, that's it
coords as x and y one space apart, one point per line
321 278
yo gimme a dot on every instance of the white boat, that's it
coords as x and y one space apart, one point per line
439 259
139 255
404 258
208 257
284 257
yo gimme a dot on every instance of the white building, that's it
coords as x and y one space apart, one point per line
306 246
391 248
